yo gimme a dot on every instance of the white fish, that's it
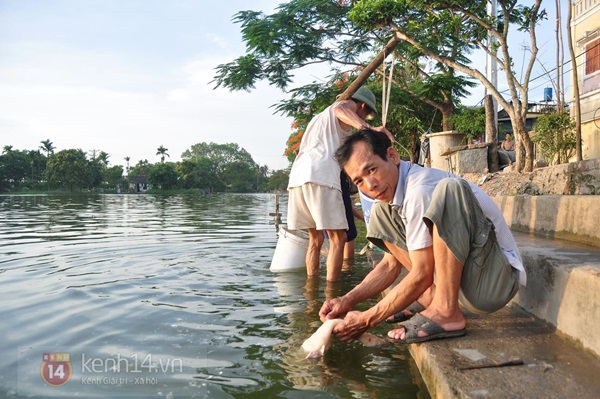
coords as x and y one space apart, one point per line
317 344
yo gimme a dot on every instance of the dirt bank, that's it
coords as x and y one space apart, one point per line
576 178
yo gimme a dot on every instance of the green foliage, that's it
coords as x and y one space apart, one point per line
239 178
163 176
142 168
213 168
219 154
48 147
279 180
438 85
222 167
70 170
345 34
200 174
407 119
299 32
162 151
114 177
21 169
555 136
470 121
15 166
95 173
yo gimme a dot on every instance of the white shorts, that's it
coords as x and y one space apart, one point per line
312 206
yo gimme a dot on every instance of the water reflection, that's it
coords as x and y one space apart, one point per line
346 370
178 277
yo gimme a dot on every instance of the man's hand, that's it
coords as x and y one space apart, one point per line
334 308
382 129
354 326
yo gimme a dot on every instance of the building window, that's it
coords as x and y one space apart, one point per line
592 57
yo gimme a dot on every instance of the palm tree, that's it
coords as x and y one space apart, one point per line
162 151
103 158
48 147
7 149
127 158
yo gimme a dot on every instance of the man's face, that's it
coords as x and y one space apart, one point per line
363 111
371 174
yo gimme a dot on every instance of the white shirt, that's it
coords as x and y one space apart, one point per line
413 196
316 162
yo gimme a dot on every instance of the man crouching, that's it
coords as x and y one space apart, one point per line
433 223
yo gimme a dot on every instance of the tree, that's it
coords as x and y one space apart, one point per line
299 33
192 175
555 135
103 158
15 166
470 121
304 32
220 154
278 181
239 177
68 169
142 168
262 178
38 165
48 147
127 158
114 177
415 21
7 149
95 172
162 151
200 174
405 118
163 176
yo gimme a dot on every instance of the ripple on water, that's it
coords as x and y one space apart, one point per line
181 278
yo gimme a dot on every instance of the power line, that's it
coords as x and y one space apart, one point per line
550 71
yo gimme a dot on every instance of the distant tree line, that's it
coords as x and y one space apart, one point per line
207 167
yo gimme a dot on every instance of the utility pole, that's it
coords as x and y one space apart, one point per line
491 105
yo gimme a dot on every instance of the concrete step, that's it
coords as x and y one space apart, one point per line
569 217
551 325
563 287
554 367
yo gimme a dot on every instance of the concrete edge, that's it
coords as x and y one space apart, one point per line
563 287
568 217
508 334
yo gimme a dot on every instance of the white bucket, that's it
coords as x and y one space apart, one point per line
366 204
290 252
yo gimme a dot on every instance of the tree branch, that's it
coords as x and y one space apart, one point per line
453 64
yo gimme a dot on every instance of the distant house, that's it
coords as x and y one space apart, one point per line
585 28
138 184
534 110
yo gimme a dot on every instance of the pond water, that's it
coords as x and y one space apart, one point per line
170 296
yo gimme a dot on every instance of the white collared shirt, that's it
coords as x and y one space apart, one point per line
316 161
413 196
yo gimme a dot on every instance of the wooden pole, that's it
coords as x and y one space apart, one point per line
575 86
369 69
491 133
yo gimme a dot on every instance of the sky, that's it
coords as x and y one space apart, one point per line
127 76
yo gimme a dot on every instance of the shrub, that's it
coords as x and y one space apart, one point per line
554 133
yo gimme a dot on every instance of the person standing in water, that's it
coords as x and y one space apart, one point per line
315 196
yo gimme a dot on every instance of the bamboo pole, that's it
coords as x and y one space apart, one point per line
369 69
